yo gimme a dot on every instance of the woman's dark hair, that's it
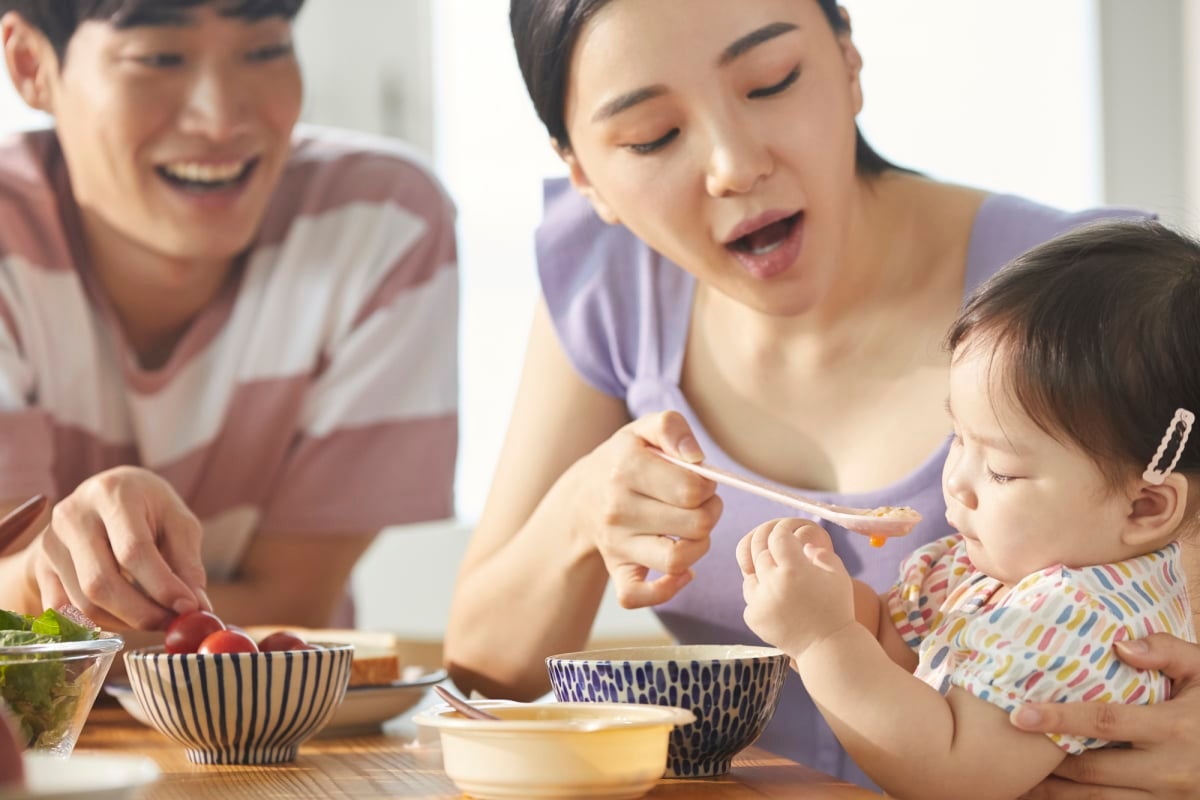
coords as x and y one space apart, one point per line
1096 334
58 19
544 33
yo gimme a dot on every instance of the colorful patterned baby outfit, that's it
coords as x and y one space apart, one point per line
1049 639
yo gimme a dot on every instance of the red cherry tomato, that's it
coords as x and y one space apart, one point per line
283 640
187 631
227 642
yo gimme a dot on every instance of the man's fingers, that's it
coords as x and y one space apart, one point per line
1110 721
1179 659
135 547
181 541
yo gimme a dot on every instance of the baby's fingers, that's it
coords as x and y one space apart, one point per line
823 557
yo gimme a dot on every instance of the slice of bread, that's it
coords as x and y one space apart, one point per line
376 653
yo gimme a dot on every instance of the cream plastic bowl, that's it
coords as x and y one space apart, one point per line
556 750
240 708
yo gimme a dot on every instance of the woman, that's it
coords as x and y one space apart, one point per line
775 303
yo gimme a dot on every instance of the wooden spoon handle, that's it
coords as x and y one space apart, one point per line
20 518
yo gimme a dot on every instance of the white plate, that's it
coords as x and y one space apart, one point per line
365 708
84 776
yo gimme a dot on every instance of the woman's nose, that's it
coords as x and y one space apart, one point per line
737 162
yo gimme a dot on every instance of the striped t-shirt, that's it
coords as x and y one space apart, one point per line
317 393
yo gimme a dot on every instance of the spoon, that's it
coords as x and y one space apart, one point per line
462 706
16 521
878 523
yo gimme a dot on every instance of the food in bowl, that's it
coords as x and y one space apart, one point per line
376 661
240 707
51 669
733 691
555 750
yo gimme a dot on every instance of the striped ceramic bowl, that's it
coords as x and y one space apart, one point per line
240 708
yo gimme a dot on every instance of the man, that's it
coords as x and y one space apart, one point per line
227 350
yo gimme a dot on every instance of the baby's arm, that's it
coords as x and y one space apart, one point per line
907 737
912 741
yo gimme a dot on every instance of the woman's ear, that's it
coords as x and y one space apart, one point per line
579 180
30 59
1156 512
853 59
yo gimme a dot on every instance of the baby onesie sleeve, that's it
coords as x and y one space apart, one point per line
927 578
1051 642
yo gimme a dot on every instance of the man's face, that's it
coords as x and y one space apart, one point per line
175 135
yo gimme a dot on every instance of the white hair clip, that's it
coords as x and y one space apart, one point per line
1155 475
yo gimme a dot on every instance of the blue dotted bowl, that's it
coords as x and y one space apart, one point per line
733 690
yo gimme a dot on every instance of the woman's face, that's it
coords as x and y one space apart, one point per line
723 135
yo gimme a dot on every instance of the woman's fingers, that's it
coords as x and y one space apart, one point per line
1177 658
669 432
634 591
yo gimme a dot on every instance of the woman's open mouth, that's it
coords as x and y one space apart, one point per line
770 249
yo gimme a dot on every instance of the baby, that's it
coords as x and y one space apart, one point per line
1073 378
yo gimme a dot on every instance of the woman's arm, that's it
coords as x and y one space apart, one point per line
576 496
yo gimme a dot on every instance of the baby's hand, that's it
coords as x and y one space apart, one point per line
797 590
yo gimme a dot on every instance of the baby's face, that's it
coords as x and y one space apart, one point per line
1023 500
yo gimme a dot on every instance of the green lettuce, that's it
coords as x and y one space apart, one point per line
43 696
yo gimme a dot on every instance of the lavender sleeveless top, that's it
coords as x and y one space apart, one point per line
622 311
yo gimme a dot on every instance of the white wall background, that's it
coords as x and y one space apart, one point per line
1008 96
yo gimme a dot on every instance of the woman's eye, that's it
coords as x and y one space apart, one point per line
767 91
645 148
160 60
271 53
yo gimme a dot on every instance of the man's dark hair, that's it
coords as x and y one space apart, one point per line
59 19
1096 335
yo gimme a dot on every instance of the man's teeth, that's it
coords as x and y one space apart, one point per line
205 173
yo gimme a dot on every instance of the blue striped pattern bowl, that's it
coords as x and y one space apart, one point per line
240 708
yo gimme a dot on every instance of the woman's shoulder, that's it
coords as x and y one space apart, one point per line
1007 225
619 307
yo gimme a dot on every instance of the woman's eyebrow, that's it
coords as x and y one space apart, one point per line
740 47
753 39
627 100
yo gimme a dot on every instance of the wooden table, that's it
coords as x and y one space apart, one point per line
393 764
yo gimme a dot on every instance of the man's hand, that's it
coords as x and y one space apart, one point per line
1164 759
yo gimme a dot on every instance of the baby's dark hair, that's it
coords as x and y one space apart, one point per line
1096 334
59 19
